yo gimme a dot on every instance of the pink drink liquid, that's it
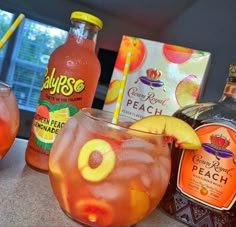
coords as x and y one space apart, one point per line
9 121
105 176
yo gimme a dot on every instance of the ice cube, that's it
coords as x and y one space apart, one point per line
125 172
165 161
161 170
165 166
61 144
135 156
66 134
159 181
137 143
155 172
107 191
146 180
4 111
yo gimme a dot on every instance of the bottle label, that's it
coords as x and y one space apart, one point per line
48 120
55 107
230 89
208 175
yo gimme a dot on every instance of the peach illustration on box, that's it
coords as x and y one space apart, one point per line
187 90
113 91
137 49
159 77
177 54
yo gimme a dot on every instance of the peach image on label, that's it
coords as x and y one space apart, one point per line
136 47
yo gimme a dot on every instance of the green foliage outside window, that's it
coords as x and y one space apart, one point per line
29 53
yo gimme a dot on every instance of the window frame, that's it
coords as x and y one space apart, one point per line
26 116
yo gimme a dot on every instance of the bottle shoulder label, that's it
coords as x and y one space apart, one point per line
230 89
208 175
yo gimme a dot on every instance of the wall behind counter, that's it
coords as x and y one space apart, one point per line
57 13
208 25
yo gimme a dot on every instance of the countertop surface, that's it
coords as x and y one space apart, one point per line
26 197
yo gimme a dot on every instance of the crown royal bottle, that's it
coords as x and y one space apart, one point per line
202 189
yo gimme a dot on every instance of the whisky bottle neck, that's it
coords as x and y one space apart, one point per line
229 93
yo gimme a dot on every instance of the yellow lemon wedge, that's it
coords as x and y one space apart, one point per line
140 204
183 133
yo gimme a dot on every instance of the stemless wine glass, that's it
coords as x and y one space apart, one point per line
104 174
9 118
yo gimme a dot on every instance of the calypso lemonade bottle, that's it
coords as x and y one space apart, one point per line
70 83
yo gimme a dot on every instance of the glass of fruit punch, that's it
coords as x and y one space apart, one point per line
115 175
9 118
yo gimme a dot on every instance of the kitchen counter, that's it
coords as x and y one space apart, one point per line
26 197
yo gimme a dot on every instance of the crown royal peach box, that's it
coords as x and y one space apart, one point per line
160 77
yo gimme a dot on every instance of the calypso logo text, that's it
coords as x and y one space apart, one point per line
62 84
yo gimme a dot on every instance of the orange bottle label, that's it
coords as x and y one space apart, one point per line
208 175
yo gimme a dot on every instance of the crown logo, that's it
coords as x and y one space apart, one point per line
153 74
219 142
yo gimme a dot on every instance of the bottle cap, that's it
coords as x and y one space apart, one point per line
232 70
87 17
